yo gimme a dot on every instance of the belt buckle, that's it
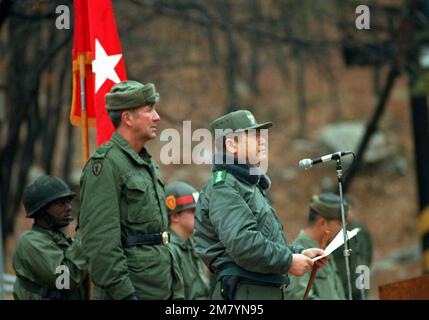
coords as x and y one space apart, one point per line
165 238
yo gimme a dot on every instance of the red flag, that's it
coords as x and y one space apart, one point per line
96 40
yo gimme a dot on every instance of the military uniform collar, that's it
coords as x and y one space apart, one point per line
143 158
60 235
36 227
241 172
185 244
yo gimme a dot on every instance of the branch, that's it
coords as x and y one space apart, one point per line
210 21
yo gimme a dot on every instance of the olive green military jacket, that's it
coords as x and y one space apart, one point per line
327 284
361 254
195 281
40 260
122 195
237 231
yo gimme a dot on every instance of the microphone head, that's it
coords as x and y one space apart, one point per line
305 164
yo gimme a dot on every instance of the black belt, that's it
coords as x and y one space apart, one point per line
248 277
230 283
146 239
262 283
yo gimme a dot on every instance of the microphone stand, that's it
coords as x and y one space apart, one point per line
346 251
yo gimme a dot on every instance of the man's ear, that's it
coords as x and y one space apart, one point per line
322 222
174 217
231 145
126 118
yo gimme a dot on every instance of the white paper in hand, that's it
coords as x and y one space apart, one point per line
337 242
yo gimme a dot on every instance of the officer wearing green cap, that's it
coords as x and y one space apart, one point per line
324 223
237 231
44 253
123 216
181 201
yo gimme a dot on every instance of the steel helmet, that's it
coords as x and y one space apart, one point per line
180 196
43 191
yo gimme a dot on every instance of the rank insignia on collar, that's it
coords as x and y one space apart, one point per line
96 168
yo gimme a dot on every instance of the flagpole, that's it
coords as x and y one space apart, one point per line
83 115
84 130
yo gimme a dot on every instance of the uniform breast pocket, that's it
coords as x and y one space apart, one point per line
138 200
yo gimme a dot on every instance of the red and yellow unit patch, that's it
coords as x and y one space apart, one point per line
171 202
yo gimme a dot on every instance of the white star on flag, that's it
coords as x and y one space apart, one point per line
104 66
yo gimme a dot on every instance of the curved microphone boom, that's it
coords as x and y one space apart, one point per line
308 163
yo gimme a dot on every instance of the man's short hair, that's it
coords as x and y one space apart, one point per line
115 117
313 216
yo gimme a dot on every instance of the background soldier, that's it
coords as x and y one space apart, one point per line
181 201
44 248
123 215
361 254
237 231
324 216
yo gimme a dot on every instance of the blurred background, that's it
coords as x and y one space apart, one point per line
303 64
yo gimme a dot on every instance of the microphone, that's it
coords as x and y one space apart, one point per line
308 163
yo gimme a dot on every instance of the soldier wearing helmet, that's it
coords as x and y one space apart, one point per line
181 201
49 264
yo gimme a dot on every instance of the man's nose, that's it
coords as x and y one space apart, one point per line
155 116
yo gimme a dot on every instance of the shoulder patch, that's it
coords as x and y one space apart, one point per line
218 177
102 150
97 166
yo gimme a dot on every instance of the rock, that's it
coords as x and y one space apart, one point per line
397 166
395 259
287 174
303 145
347 136
328 184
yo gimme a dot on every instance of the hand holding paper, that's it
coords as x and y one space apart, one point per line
337 242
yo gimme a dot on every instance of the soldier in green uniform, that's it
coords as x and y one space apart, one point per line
123 216
361 254
48 264
237 231
324 216
181 201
